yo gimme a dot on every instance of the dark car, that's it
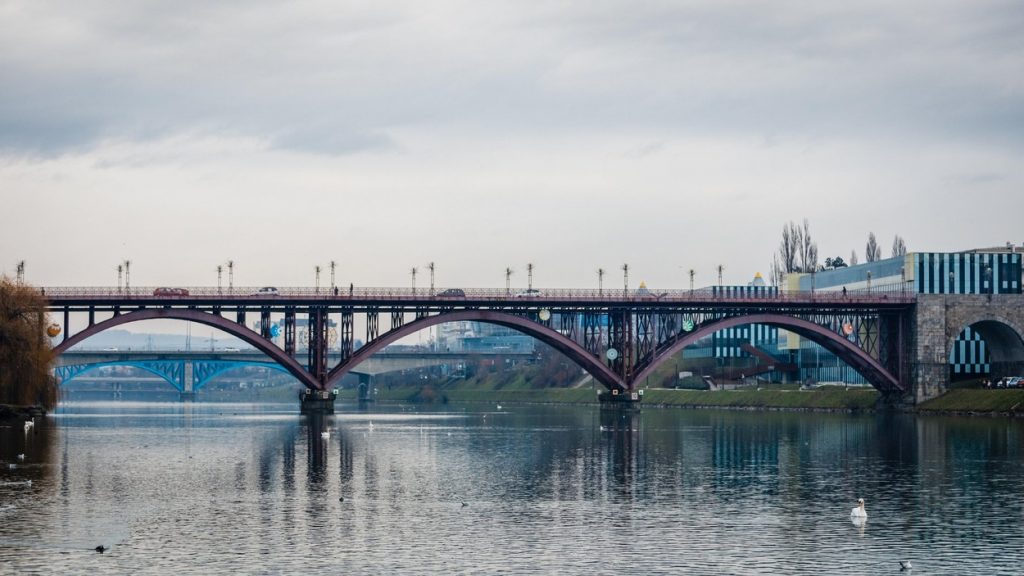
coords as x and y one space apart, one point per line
170 292
452 293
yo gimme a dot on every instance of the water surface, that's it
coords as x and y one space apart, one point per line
254 488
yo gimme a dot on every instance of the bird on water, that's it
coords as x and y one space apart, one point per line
859 511
101 548
905 565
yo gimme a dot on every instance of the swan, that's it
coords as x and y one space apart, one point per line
905 565
326 435
499 406
21 456
859 511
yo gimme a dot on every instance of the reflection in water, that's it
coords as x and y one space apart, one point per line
527 489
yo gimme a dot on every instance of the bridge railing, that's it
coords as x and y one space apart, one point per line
887 293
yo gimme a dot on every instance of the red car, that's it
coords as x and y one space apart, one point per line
170 292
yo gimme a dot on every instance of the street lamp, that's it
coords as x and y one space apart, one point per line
529 277
508 281
333 266
721 268
413 273
219 270
431 268
600 281
625 280
693 273
120 276
231 276
20 274
127 275
316 270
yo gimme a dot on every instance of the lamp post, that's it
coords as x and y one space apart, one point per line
231 276
127 276
20 272
413 273
692 274
600 281
869 281
721 268
508 281
334 265
120 276
625 280
431 268
529 277
316 270
220 269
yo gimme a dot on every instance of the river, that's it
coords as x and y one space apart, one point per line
204 488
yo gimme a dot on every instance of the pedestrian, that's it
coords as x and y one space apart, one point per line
844 291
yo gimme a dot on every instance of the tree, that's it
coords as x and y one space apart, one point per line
899 247
872 251
853 258
833 263
25 353
808 249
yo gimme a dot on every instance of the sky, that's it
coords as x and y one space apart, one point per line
482 135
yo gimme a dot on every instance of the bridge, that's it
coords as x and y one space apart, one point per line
188 371
619 336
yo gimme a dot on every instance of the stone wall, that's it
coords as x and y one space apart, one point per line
940 318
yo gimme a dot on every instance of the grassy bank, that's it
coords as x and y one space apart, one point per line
824 398
977 400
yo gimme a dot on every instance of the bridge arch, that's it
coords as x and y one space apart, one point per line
1004 341
845 350
73 371
216 321
572 350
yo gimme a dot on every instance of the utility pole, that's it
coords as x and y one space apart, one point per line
431 268
529 277
508 281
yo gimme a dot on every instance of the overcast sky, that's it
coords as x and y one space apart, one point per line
480 135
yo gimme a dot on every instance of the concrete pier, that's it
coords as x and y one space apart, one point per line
621 399
317 401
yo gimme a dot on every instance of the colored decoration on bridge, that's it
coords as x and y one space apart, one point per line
612 354
544 315
847 329
688 325
275 331
53 330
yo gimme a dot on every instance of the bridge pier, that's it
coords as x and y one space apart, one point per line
620 399
317 401
186 396
366 388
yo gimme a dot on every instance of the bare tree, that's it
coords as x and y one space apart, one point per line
853 258
789 247
899 247
776 275
872 251
808 249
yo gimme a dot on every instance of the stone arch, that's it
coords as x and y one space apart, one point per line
1003 340
847 351
575 352
214 320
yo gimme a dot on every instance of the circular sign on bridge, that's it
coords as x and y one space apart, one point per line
688 325
544 315
275 330
612 354
847 329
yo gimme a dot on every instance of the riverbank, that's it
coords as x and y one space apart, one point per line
771 397
10 414
823 398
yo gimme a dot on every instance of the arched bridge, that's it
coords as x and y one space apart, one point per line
620 337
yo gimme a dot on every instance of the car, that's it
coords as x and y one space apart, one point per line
266 291
452 293
163 291
529 293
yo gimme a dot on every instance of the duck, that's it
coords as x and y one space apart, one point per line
858 511
101 548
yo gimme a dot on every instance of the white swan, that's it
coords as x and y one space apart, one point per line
859 511
326 434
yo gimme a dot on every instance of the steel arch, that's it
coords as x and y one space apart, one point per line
566 346
847 351
213 320
69 372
